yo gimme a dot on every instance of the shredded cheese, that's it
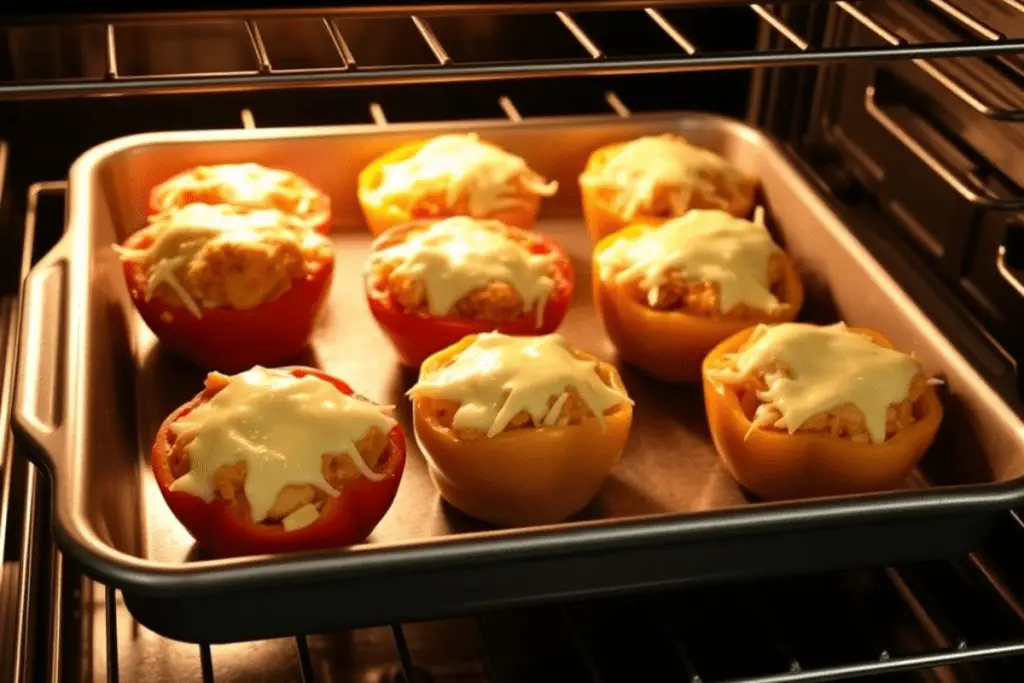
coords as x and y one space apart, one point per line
648 168
456 256
498 376
280 426
245 186
702 246
458 167
811 369
303 517
181 236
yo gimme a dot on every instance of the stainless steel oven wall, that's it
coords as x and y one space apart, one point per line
938 144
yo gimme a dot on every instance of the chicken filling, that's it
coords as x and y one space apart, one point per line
706 263
664 176
457 175
676 293
244 187
566 405
203 257
440 270
868 397
845 421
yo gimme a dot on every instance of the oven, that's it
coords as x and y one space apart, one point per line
905 115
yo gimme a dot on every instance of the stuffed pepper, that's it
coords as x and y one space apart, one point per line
278 460
431 283
451 175
228 290
798 410
655 178
245 187
668 294
519 430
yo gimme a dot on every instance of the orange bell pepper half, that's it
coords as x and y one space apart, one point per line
777 465
381 218
528 476
670 345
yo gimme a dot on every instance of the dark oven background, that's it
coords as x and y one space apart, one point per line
922 160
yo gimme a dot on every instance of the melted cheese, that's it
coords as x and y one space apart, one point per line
703 246
280 426
643 169
247 186
179 237
456 256
498 376
460 166
828 367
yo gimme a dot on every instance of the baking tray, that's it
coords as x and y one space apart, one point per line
93 386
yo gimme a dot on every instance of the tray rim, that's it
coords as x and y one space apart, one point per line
159 579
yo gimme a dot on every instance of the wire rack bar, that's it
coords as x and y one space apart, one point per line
489 73
617 105
110 617
966 20
585 41
431 40
671 31
391 10
111 54
596 62
21 651
581 646
780 26
409 673
248 120
23 636
678 647
347 58
510 109
386 10
258 48
773 629
891 665
305 661
490 670
377 114
206 663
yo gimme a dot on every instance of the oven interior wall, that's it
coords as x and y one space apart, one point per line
809 628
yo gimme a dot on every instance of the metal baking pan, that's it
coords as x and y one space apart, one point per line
93 386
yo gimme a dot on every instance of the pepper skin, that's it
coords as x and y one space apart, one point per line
526 476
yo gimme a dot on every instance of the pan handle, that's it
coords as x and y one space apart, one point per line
948 175
36 419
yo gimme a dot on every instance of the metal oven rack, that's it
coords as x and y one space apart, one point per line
924 633
780 24
949 616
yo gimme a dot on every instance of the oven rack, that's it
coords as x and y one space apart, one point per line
780 43
985 583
